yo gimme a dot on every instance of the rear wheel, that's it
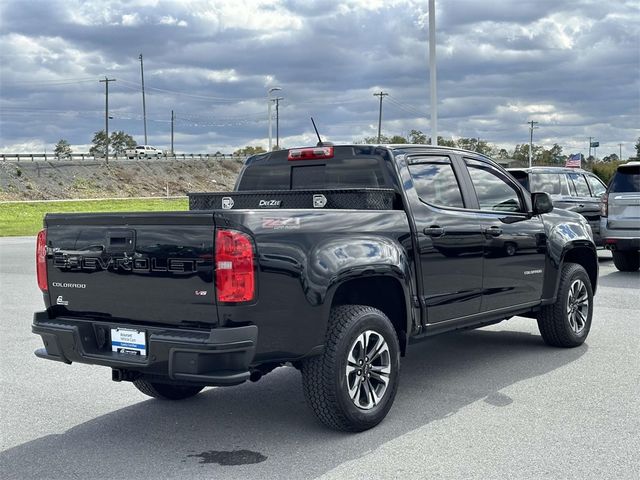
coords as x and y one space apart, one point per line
628 261
352 385
567 322
167 391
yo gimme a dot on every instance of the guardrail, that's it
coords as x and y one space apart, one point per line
49 157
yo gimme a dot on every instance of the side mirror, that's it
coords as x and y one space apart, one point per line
542 203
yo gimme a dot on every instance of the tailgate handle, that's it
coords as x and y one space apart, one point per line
121 241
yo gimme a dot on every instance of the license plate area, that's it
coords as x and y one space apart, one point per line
128 341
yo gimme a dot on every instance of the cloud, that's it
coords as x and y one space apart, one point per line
572 65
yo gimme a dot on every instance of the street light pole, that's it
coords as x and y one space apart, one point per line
271 90
277 100
432 72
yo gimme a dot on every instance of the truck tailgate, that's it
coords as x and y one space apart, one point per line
138 267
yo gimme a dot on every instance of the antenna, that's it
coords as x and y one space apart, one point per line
316 129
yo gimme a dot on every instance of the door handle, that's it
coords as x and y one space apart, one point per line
493 231
434 231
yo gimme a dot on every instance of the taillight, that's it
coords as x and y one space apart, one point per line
604 205
312 153
41 260
235 271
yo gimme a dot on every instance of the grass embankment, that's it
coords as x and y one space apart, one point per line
26 218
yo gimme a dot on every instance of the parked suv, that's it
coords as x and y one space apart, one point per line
620 221
570 188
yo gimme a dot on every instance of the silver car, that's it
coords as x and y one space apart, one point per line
620 217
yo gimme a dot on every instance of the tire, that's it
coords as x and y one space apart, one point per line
333 384
510 249
166 391
628 261
567 322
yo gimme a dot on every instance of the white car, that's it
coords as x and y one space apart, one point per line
143 151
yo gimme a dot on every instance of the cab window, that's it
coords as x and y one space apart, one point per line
493 189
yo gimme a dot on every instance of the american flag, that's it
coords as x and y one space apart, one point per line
574 161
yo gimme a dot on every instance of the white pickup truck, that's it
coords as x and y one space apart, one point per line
143 151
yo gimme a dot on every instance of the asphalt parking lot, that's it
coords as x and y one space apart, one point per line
489 403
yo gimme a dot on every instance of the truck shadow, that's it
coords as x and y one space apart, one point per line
620 280
270 422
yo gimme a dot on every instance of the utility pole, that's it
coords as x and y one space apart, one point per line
277 100
106 115
172 119
144 107
432 72
620 145
590 139
531 128
381 94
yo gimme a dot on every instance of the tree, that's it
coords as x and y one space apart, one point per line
552 156
416 137
120 141
397 139
374 139
63 149
98 144
611 158
248 151
638 149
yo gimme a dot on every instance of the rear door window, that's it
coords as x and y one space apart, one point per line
551 183
626 179
435 182
597 187
580 184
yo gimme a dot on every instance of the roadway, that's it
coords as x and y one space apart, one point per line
489 403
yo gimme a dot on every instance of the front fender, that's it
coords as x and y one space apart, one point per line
568 236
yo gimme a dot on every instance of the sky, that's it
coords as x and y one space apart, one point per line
573 66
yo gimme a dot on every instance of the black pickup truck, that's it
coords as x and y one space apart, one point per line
331 259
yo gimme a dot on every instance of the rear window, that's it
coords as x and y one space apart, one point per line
626 179
349 168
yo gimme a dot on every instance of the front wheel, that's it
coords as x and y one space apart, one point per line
567 322
167 391
352 385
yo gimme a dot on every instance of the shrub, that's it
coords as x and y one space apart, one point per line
605 170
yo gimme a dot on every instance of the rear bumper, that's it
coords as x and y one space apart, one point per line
619 239
203 357
622 244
